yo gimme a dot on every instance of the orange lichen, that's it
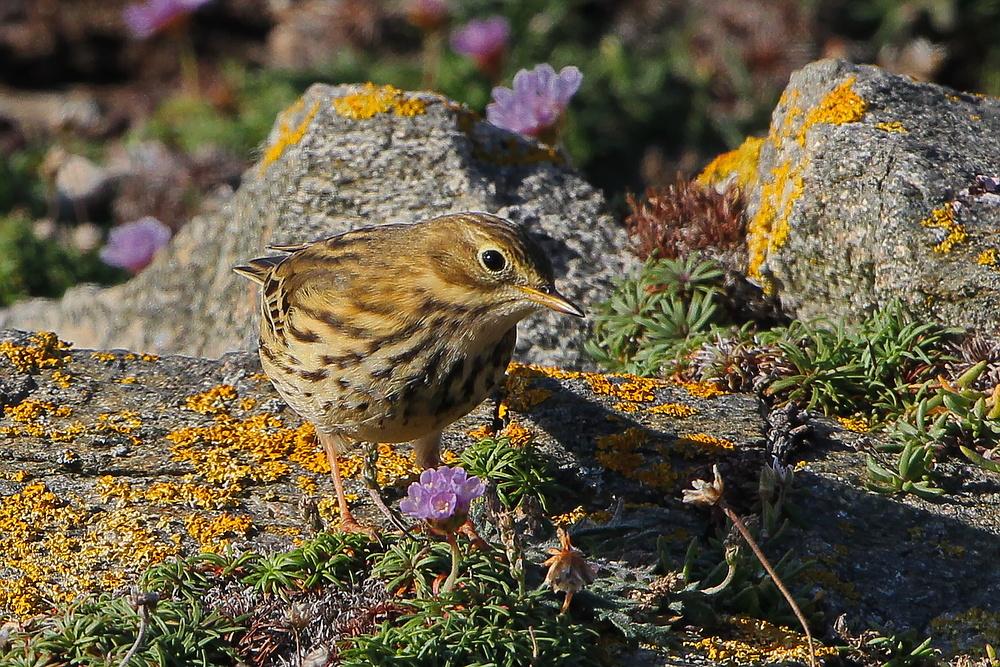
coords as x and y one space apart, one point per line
308 485
857 423
944 219
756 641
891 127
699 443
989 258
702 389
210 533
673 410
127 380
627 406
28 411
288 136
631 388
214 401
44 350
617 451
124 422
372 99
103 356
737 167
49 543
839 106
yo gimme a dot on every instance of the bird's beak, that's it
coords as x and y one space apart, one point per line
552 299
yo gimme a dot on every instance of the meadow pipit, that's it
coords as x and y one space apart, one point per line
389 334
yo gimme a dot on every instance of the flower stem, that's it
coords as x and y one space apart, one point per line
449 583
774 576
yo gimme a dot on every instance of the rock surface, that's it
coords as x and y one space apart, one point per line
112 460
341 158
871 187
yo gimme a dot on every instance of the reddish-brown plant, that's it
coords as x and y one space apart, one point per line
685 217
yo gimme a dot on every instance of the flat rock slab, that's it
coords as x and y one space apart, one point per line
341 158
111 461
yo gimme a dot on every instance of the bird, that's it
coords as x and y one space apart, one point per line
390 333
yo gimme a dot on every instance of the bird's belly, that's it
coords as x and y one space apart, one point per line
399 404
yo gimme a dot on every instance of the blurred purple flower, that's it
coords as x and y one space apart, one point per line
150 17
132 246
442 497
538 100
427 14
483 41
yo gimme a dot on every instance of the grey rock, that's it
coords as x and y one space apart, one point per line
323 173
871 187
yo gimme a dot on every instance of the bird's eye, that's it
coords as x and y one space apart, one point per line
493 260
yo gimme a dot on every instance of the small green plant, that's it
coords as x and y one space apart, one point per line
516 471
900 649
101 631
654 320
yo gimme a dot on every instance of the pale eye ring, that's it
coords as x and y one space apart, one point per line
493 260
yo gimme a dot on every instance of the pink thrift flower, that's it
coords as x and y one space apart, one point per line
483 41
442 497
150 17
537 102
132 246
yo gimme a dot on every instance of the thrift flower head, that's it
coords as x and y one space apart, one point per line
442 497
484 42
705 493
132 246
568 571
150 17
538 100
427 14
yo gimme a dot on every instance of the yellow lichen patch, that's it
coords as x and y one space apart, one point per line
627 406
891 127
307 485
756 641
149 357
631 388
519 435
28 411
701 389
517 394
534 370
971 631
127 380
989 258
188 493
944 219
234 451
659 476
700 443
124 422
569 518
287 135
44 350
211 533
737 166
857 423
768 230
839 106
46 539
617 451
103 356
673 410
62 379
214 401
480 432
374 99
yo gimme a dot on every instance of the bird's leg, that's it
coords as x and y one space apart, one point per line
348 523
375 491
427 451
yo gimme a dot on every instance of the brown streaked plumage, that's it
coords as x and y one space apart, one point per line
389 334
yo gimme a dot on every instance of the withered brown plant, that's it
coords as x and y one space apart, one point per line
683 218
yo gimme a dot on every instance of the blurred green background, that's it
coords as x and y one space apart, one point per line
99 127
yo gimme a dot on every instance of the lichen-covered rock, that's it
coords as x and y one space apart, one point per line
111 461
341 158
870 187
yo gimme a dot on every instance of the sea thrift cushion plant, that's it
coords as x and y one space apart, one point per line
484 41
537 101
132 246
148 18
442 497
